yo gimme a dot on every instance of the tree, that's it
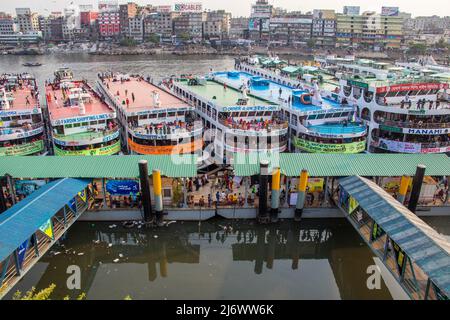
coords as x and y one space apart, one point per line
153 38
128 42
417 48
311 43
185 36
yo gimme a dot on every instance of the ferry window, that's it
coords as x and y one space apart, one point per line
320 116
180 113
235 114
345 114
252 113
6 119
152 116
15 118
260 113
329 115
171 114
68 126
312 117
101 121
244 114
93 123
26 117
85 124
162 115
143 117
209 108
76 125
267 113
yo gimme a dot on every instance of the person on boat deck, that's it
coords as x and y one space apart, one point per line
132 96
280 91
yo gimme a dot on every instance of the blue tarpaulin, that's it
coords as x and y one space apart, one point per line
21 221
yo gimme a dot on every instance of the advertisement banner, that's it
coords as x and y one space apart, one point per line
108 150
21 252
188 7
315 184
399 257
23 149
178 149
122 187
344 199
413 87
316 147
83 195
390 11
352 205
377 232
47 229
399 146
27 187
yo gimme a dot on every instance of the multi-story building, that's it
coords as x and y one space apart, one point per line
239 28
26 20
7 24
376 31
136 28
88 16
291 29
324 27
159 23
217 24
127 12
259 24
55 28
109 24
190 24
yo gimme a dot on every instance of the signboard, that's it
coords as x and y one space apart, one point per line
290 21
249 108
413 87
259 25
23 149
188 7
351 10
122 187
21 252
358 84
352 205
261 11
11 113
164 8
108 150
47 229
10 134
27 187
96 117
391 129
316 147
426 131
377 232
390 11
399 257
101 139
399 146
178 149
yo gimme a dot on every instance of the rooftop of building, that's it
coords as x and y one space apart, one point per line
57 98
143 92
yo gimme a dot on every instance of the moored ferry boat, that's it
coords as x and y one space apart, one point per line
81 122
237 122
317 124
22 130
408 115
154 121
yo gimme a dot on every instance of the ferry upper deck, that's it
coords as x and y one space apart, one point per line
21 123
154 120
82 123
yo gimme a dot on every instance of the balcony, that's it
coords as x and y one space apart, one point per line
415 125
21 131
87 138
165 131
256 127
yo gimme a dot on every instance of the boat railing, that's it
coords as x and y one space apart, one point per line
88 135
257 126
15 128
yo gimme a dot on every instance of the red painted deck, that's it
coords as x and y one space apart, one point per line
142 91
58 111
20 100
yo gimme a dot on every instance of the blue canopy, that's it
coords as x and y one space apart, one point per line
423 245
21 221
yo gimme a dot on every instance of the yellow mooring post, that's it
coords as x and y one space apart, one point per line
275 201
403 189
301 194
157 192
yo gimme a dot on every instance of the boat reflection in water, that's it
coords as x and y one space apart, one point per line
317 259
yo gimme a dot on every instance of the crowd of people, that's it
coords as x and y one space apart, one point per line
161 128
255 124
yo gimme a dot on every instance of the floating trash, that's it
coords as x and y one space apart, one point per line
116 260
81 253
109 245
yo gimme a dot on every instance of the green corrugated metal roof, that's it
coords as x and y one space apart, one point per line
341 165
291 69
96 166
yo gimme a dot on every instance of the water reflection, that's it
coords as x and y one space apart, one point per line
314 260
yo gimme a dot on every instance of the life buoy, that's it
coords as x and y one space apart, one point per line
302 98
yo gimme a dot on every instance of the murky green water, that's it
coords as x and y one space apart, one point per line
318 259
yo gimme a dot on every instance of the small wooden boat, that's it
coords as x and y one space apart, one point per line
29 64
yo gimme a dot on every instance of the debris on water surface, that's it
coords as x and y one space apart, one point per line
109 245
116 260
81 253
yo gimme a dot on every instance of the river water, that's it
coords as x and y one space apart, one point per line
317 259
